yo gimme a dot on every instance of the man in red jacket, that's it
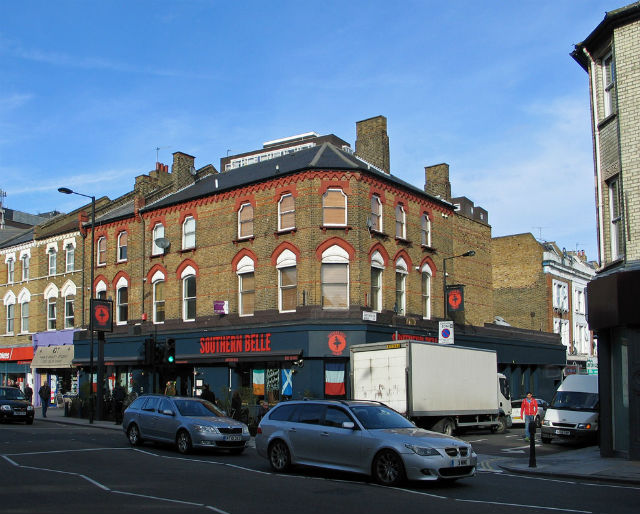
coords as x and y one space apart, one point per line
529 411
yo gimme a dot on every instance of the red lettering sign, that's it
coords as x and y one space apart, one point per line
237 343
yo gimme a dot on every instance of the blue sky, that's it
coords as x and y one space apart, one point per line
89 90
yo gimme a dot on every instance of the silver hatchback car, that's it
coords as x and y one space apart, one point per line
362 437
184 421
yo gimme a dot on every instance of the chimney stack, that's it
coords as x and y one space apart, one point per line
436 181
372 142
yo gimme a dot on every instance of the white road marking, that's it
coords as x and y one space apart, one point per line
477 440
523 505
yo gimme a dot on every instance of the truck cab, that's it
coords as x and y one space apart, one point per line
504 400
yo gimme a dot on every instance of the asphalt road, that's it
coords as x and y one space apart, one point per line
57 468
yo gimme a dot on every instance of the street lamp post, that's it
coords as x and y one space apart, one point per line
68 191
470 253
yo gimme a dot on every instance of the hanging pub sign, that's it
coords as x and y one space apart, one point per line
102 315
455 298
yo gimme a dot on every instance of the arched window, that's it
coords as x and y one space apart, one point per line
53 254
101 256
122 246
69 294
51 297
246 286
122 301
401 222
245 220
426 292
377 267
287 281
376 213
158 233
25 259
10 307
334 208
425 237
188 294
158 297
401 286
11 267
286 212
335 278
189 233
70 257
24 298
101 290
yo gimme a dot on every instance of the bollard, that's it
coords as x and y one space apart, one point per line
532 444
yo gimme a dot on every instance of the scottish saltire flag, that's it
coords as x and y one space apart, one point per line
334 379
258 382
287 382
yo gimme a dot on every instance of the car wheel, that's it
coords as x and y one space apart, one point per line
279 456
388 468
183 442
133 433
538 421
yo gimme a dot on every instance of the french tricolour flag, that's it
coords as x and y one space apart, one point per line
334 379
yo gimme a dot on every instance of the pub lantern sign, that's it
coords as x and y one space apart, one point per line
102 315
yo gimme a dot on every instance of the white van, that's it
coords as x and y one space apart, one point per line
573 412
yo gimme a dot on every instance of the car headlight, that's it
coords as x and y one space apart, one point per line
206 429
245 430
546 423
585 426
29 407
422 451
5 407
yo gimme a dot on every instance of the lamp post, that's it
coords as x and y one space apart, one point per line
68 191
470 253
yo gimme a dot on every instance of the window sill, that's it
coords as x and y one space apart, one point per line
157 255
285 231
607 119
122 261
188 250
402 241
378 234
430 249
249 239
346 228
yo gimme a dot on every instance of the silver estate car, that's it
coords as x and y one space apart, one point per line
184 421
362 437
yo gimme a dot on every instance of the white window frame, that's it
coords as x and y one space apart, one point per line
123 283
245 224
401 287
187 274
52 313
24 317
158 278
326 207
101 288
101 251
401 222
69 257
9 301
426 276
282 213
377 264
376 213
69 311
286 261
608 83
332 256
615 217
53 261
122 248
245 267
157 233
189 233
425 225
26 261
11 270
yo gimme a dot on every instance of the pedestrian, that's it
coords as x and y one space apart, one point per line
170 390
45 396
118 399
529 411
28 392
208 394
236 405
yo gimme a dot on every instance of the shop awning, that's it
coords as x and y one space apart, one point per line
60 356
22 354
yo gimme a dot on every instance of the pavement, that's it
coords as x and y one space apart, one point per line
581 463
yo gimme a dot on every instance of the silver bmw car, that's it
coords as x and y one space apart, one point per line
184 421
362 437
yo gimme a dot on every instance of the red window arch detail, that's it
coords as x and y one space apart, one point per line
183 265
118 276
186 214
335 184
285 190
98 279
429 262
246 199
156 267
282 247
428 213
382 250
403 253
154 221
335 241
378 192
240 255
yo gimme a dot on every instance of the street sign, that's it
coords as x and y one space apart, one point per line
592 366
445 332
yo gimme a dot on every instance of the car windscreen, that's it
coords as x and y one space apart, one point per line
380 417
575 400
197 408
11 394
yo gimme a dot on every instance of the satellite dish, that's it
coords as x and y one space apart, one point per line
192 170
162 242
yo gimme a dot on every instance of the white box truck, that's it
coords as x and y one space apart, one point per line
439 387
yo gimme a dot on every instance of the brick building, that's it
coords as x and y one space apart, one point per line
610 56
538 286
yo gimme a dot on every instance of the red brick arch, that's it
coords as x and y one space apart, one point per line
280 248
236 259
335 241
429 262
184 264
382 250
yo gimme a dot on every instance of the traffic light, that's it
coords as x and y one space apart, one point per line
148 351
170 351
158 353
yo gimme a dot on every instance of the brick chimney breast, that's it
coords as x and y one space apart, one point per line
436 181
372 142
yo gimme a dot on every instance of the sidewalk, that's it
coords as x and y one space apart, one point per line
584 463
